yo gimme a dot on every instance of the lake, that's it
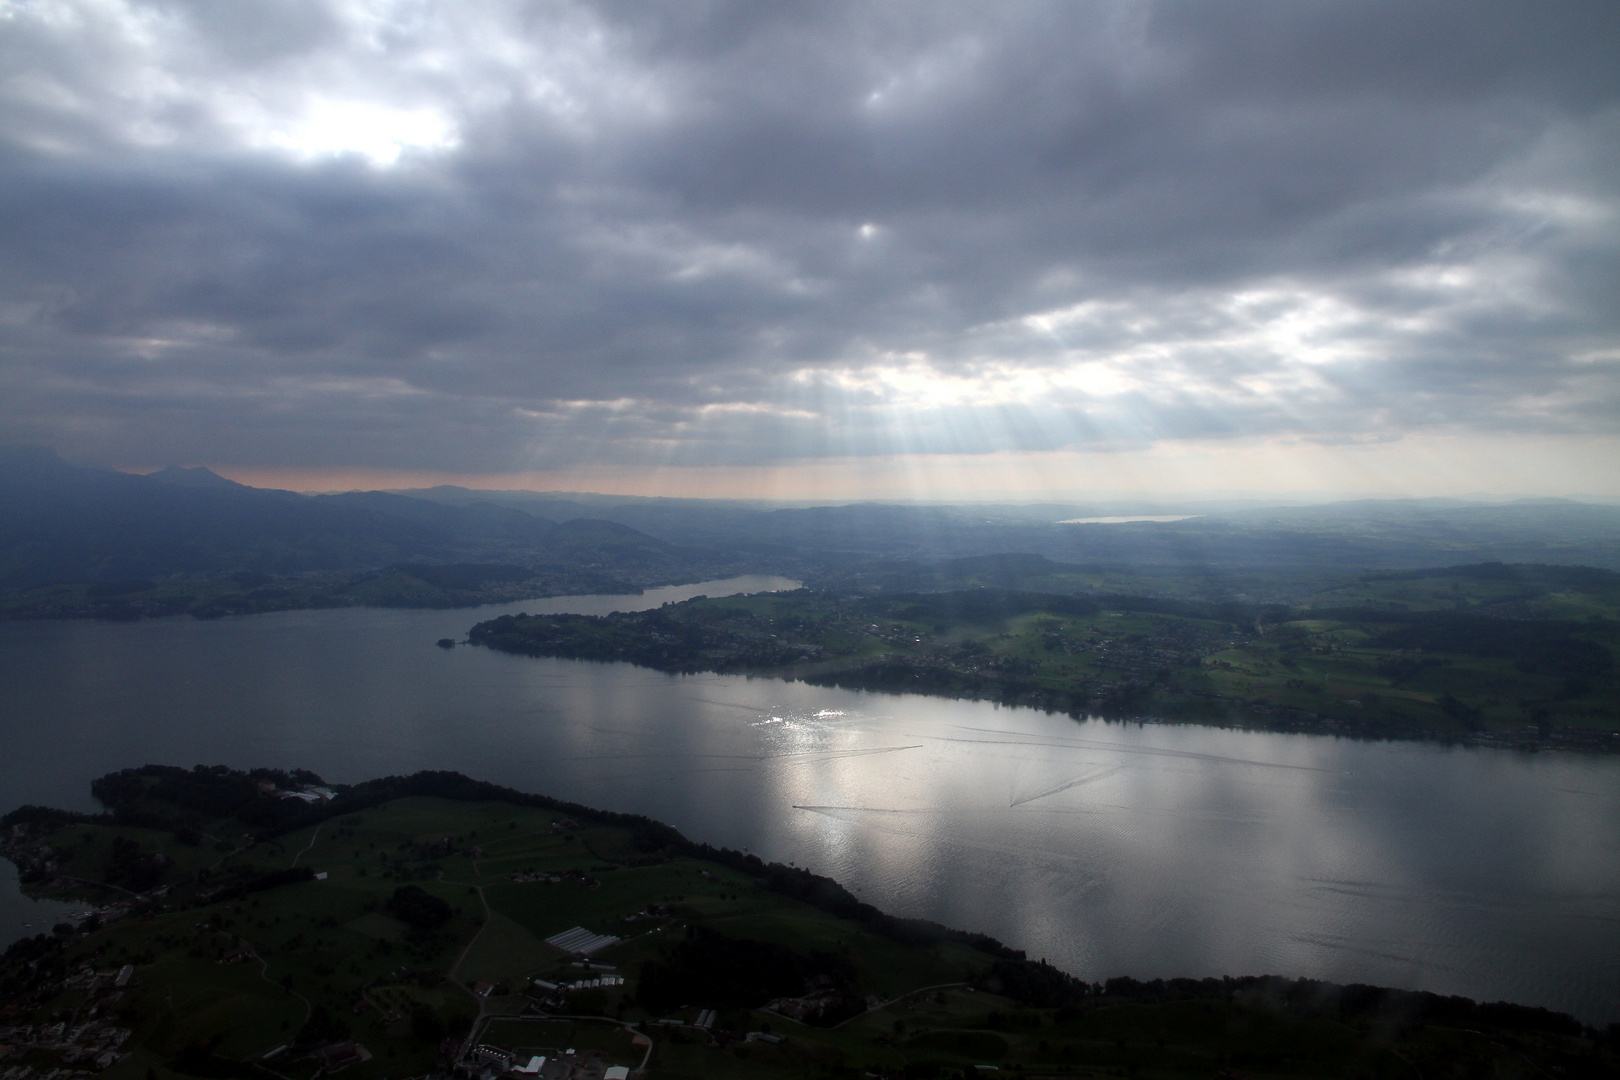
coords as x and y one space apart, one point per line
1108 848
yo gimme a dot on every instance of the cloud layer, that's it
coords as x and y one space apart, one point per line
495 236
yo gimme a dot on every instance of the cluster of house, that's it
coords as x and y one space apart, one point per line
88 978
487 1062
805 1008
331 1057
601 982
820 997
525 876
705 1022
304 794
89 1046
580 941
341 1056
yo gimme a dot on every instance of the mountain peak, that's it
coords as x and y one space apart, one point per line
199 477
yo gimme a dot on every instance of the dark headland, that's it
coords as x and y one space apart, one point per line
267 924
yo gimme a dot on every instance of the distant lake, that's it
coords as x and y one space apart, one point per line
1108 848
1126 520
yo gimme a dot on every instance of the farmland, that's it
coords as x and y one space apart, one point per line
1478 657
266 925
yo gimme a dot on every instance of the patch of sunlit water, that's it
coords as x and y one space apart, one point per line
1126 519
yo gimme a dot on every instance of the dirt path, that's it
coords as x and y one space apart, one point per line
307 847
883 1004
264 973
456 978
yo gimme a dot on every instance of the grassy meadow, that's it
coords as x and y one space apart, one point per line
239 970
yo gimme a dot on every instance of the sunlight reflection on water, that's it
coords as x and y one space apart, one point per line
1108 848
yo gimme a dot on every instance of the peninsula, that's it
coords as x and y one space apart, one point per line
265 924
1482 654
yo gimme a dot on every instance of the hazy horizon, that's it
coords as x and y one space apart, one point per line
936 480
521 484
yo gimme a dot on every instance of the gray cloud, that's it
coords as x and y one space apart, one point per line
491 236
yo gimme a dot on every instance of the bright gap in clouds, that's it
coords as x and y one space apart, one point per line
378 133
899 252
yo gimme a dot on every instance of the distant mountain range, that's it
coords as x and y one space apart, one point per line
1345 536
61 523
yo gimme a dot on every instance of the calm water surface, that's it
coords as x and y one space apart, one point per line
1107 848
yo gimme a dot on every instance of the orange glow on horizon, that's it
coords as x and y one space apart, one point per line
1414 466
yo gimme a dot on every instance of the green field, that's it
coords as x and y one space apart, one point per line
231 965
1505 655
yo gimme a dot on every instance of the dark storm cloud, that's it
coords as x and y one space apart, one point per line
481 237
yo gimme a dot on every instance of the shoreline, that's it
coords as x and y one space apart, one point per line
23 825
1296 722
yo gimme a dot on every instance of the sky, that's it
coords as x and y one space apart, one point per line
824 250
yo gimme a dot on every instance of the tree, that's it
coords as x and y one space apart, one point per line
418 908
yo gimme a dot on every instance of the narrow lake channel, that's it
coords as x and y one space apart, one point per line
1108 848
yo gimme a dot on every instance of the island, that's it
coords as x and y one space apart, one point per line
1472 654
266 924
